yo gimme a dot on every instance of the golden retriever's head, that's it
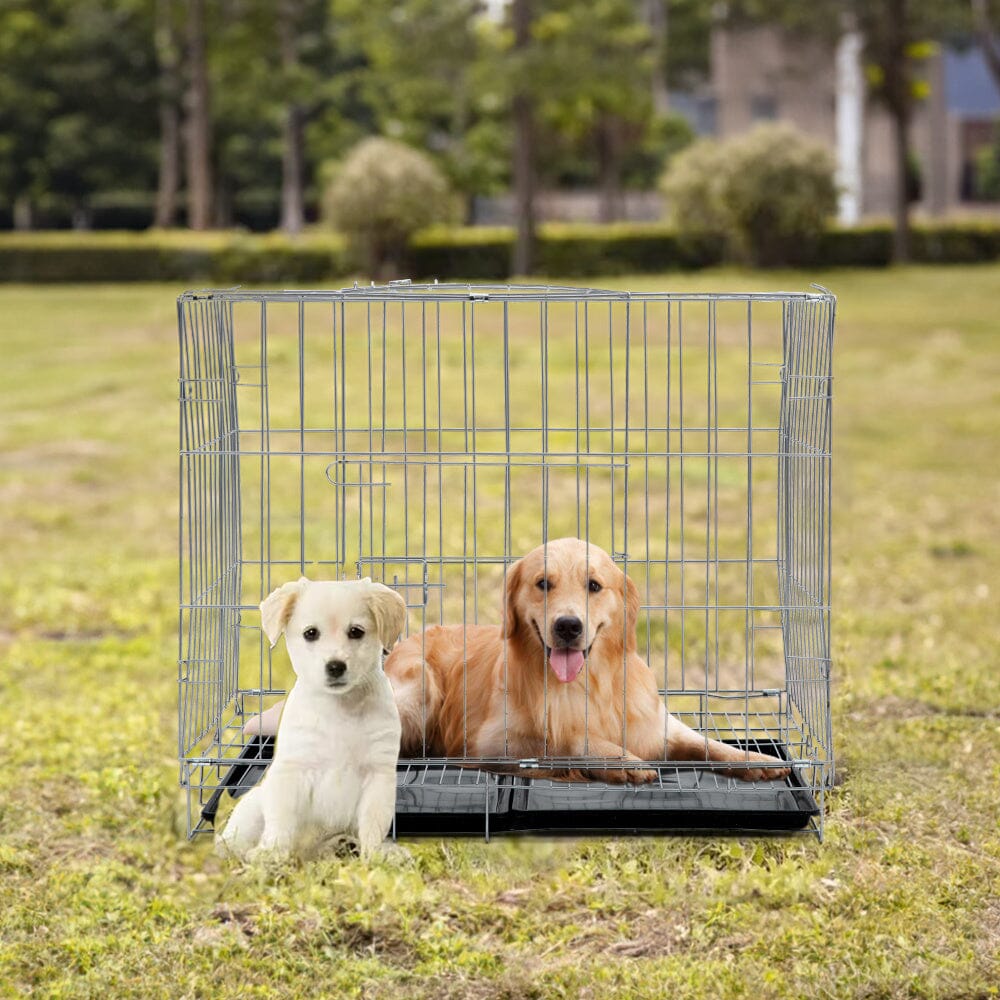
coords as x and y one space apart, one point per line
568 597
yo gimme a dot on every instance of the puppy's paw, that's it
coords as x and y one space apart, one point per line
334 845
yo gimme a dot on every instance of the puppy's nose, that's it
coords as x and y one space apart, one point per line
335 669
567 628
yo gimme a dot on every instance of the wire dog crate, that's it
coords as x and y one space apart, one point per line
429 435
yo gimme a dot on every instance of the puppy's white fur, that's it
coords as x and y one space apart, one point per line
334 767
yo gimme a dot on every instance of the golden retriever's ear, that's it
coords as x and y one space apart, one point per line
389 611
512 583
276 609
632 602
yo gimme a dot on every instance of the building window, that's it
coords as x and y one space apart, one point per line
763 107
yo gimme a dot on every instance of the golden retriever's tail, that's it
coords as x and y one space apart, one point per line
418 698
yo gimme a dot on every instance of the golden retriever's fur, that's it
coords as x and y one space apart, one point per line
487 691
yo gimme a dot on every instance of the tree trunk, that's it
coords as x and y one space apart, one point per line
292 195
170 129
199 125
655 12
293 154
24 216
170 152
609 168
901 201
524 150
899 100
988 43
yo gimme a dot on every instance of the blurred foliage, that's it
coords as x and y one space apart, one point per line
382 193
987 170
565 250
77 99
81 90
767 195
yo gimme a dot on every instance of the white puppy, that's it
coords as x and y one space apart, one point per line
334 767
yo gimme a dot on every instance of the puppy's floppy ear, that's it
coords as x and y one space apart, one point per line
276 609
389 611
512 583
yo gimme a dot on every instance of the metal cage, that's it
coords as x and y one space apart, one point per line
428 435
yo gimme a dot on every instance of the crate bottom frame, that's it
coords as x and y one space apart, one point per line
440 799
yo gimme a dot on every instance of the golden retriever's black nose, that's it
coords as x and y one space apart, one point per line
567 628
335 669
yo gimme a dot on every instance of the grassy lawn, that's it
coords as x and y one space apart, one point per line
102 894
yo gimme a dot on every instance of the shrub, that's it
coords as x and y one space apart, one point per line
693 185
768 194
189 258
382 193
987 171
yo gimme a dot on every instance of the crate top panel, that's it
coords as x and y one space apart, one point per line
407 291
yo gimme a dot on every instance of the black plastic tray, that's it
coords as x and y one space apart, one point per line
441 800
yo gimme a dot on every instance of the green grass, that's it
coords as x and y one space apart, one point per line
101 893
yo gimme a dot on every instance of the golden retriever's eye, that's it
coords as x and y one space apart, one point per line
355 632
595 587
311 634
544 584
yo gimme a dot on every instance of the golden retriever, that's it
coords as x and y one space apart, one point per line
559 678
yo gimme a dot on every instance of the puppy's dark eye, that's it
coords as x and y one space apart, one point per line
594 587
355 632
544 584
311 634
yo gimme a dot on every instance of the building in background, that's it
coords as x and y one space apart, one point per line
761 73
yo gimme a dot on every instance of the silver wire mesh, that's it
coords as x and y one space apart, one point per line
428 436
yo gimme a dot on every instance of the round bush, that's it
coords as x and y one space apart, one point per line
768 194
379 195
693 186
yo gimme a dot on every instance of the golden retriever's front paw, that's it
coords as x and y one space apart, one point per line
642 777
629 776
761 773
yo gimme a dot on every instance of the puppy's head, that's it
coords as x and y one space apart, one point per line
571 601
335 631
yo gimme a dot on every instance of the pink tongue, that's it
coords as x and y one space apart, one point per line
566 663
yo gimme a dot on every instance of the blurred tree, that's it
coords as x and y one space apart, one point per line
986 21
594 79
899 37
293 138
429 78
688 42
77 104
523 163
282 102
655 16
27 99
168 60
198 126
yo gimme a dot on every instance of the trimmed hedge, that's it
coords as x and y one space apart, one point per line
473 254
221 259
